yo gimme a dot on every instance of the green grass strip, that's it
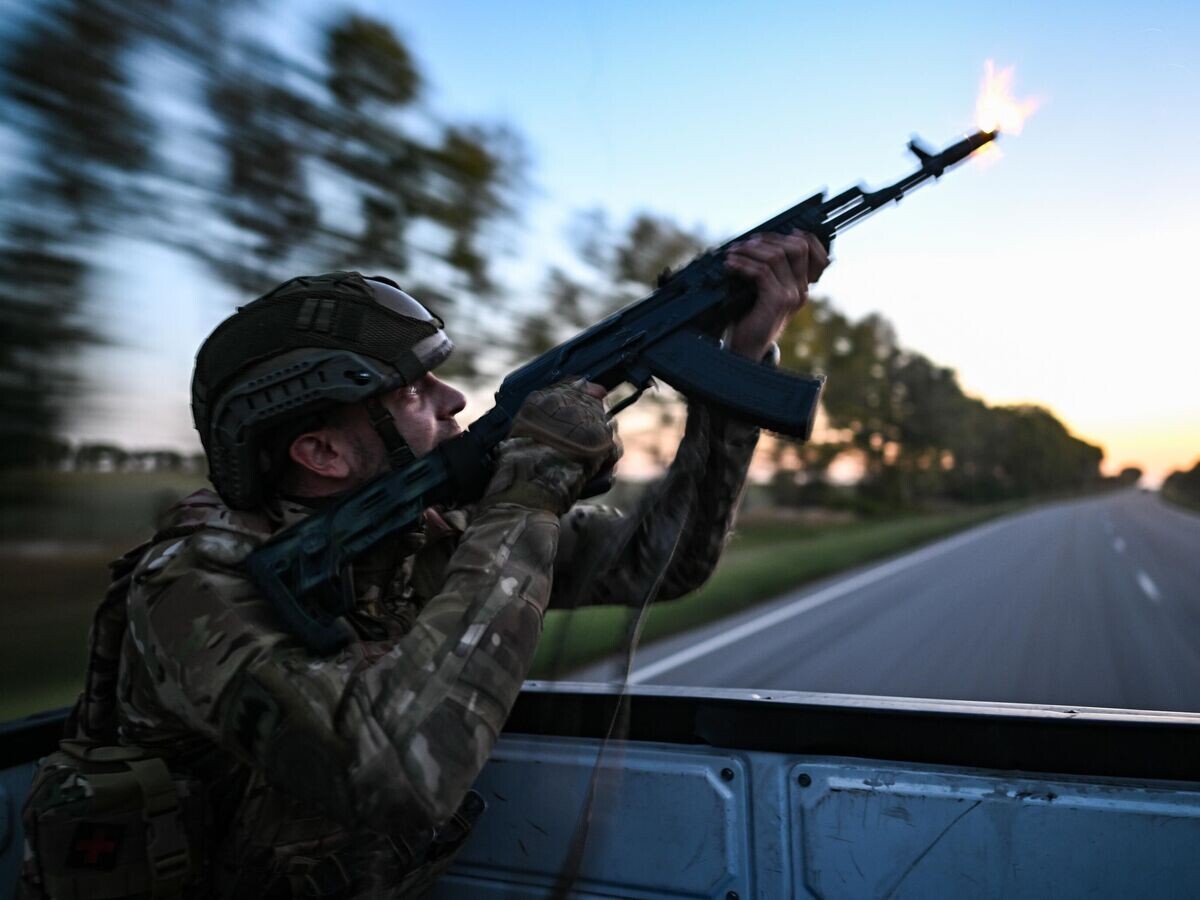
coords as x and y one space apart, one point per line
1181 500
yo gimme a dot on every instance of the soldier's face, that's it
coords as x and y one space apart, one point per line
424 412
350 453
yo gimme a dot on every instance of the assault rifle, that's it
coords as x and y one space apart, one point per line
671 335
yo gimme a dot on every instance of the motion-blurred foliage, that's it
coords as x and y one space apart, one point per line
178 124
173 123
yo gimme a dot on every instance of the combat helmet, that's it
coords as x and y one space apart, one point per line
282 361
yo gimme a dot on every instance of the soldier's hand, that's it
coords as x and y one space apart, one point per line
560 438
571 419
781 268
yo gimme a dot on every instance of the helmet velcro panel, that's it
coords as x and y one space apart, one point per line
337 311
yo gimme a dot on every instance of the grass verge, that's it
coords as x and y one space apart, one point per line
763 562
1181 500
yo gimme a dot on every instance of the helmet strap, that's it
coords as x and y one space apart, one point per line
398 451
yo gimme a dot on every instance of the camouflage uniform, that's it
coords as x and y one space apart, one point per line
339 776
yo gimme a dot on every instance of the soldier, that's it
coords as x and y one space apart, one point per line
349 775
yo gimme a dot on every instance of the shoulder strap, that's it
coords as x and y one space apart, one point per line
94 716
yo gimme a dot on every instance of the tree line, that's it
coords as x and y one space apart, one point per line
915 433
170 123
901 419
88 456
1183 486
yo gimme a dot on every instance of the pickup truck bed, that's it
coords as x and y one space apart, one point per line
733 794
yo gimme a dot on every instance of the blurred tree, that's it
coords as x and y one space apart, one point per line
337 166
931 410
154 461
858 402
101 457
53 453
619 267
1184 486
260 162
1130 475
264 192
41 301
367 62
651 246
66 96
914 432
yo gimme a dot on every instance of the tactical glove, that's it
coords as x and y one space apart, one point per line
560 438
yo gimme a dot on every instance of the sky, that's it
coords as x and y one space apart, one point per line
1061 274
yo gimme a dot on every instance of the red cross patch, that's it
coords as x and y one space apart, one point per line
96 845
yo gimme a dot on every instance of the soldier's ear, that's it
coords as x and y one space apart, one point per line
323 452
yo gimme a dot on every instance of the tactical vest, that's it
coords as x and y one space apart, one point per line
105 820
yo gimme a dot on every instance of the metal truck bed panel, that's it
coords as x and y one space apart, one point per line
674 821
733 794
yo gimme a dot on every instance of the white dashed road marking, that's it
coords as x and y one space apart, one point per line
1119 544
1148 587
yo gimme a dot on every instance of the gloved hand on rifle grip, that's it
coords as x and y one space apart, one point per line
560 438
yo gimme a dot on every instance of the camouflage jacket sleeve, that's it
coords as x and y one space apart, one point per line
695 500
387 736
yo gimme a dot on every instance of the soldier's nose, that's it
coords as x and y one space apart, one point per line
455 402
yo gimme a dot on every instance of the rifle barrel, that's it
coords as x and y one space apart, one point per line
932 166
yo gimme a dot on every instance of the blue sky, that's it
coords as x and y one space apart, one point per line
1061 275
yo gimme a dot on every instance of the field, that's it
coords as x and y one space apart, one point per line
61 529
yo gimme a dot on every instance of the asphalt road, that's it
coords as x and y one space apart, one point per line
1085 603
